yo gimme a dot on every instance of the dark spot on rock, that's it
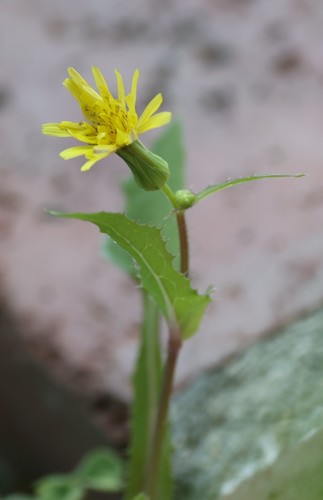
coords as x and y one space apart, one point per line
277 31
312 199
10 201
220 100
234 292
133 331
161 80
185 30
246 235
275 245
215 54
235 3
113 415
304 271
5 228
98 310
165 70
287 62
5 96
129 30
56 28
61 183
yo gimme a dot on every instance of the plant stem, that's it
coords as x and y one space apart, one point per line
182 229
174 347
170 195
183 238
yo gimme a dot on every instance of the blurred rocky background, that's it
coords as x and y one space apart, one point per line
246 78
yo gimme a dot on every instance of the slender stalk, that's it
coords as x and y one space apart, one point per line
183 238
174 347
171 196
146 382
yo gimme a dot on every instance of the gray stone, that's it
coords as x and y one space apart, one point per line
44 427
253 430
250 96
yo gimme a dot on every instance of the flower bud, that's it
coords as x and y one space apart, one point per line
150 171
185 198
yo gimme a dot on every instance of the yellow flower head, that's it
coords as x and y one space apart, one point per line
111 122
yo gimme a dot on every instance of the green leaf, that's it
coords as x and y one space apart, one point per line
146 384
59 487
153 207
240 180
141 496
18 496
101 470
180 303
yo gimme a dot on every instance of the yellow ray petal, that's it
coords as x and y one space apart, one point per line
76 78
150 109
155 121
72 88
89 164
105 148
134 84
121 92
81 131
54 129
76 84
75 151
101 83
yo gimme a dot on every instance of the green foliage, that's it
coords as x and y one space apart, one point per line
146 384
153 208
240 180
141 496
59 487
179 302
101 470
18 496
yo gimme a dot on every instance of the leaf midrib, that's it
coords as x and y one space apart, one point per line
141 257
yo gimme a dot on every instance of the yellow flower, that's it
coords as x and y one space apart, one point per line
112 124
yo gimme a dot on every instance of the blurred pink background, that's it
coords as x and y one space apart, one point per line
246 78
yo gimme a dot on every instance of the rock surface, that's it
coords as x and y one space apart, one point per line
251 97
43 427
253 430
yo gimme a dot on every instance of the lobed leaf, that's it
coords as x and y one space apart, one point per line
178 301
